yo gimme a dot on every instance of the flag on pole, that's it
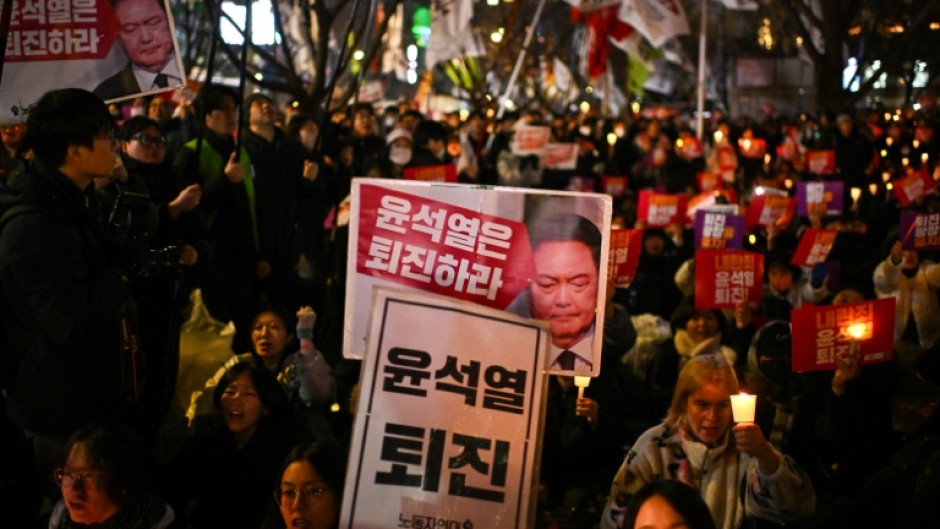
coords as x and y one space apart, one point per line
451 33
393 58
658 20
601 24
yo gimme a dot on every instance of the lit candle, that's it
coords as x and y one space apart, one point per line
905 161
767 159
679 143
885 177
873 189
719 136
916 144
889 140
923 158
884 153
742 407
856 192
611 139
582 382
788 183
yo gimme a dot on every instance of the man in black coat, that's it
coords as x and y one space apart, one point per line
63 295
145 36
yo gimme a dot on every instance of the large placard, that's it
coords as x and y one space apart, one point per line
468 458
534 253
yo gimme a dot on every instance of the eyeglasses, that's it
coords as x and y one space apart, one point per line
147 141
66 478
308 496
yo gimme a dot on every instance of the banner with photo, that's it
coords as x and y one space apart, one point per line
512 249
469 457
88 44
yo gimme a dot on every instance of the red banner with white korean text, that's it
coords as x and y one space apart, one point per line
814 246
625 248
661 209
432 173
724 278
820 334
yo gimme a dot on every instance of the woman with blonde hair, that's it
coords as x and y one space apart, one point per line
735 469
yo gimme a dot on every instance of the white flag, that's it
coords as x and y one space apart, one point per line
657 20
393 59
451 33
740 5
637 48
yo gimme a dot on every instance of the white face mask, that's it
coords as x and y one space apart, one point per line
399 155
138 111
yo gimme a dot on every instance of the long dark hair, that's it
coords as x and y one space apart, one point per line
119 454
328 458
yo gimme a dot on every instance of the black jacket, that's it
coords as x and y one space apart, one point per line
62 292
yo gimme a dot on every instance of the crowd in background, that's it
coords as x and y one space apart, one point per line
258 224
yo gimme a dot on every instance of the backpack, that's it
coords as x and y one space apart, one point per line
9 360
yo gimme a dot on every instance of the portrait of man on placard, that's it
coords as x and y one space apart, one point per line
566 248
146 35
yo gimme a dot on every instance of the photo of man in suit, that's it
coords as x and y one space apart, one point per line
144 33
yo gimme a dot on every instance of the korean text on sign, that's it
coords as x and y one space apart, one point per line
42 30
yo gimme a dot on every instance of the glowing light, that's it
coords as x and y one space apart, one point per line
411 52
259 76
358 55
767 159
885 176
916 144
889 140
855 192
788 183
752 239
585 107
719 136
679 143
611 139
889 186
857 331
496 37
905 161
873 189
492 2
884 153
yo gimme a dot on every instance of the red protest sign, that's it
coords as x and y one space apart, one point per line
689 148
814 247
724 278
432 173
913 187
752 147
661 209
615 186
625 248
820 334
727 160
821 162
769 210
442 248
61 32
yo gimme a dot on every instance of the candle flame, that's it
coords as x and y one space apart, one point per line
582 382
857 330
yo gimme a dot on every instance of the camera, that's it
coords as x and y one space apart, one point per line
133 221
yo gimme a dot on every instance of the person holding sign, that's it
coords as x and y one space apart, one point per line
698 445
914 284
145 35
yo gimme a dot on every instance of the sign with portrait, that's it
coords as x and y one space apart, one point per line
468 458
530 140
520 250
97 45
820 334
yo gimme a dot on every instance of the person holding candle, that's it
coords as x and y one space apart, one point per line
698 445
914 283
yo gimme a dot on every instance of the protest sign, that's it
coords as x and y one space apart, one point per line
560 156
52 45
468 459
615 186
716 230
530 140
820 334
475 243
661 209
753 148
724 278
823 197
708 181
920 231
913 187
432 173
689 147
814 246
625 248
821 162
769 210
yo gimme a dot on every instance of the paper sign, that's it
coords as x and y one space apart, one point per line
530 140
920 231
709 201
821 162
689 147
826 197
432 173
814 247
820 334
475 243
615 186
661 209
913 187
753 148
625 248
468 457
560 156
371 91
718 231
724 278
62 44
769 210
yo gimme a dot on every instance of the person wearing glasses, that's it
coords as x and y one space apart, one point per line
223 473
104 484
310 491
68 344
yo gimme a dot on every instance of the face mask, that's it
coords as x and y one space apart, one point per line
390 123
137 111
400 155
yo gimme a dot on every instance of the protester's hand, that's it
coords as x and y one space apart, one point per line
589 409
311 170
847 368
188 255
749 439
897 253
674 231
263 269
187 200
306 319
346 156
815 213
234 170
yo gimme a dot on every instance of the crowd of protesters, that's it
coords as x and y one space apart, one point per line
256 220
